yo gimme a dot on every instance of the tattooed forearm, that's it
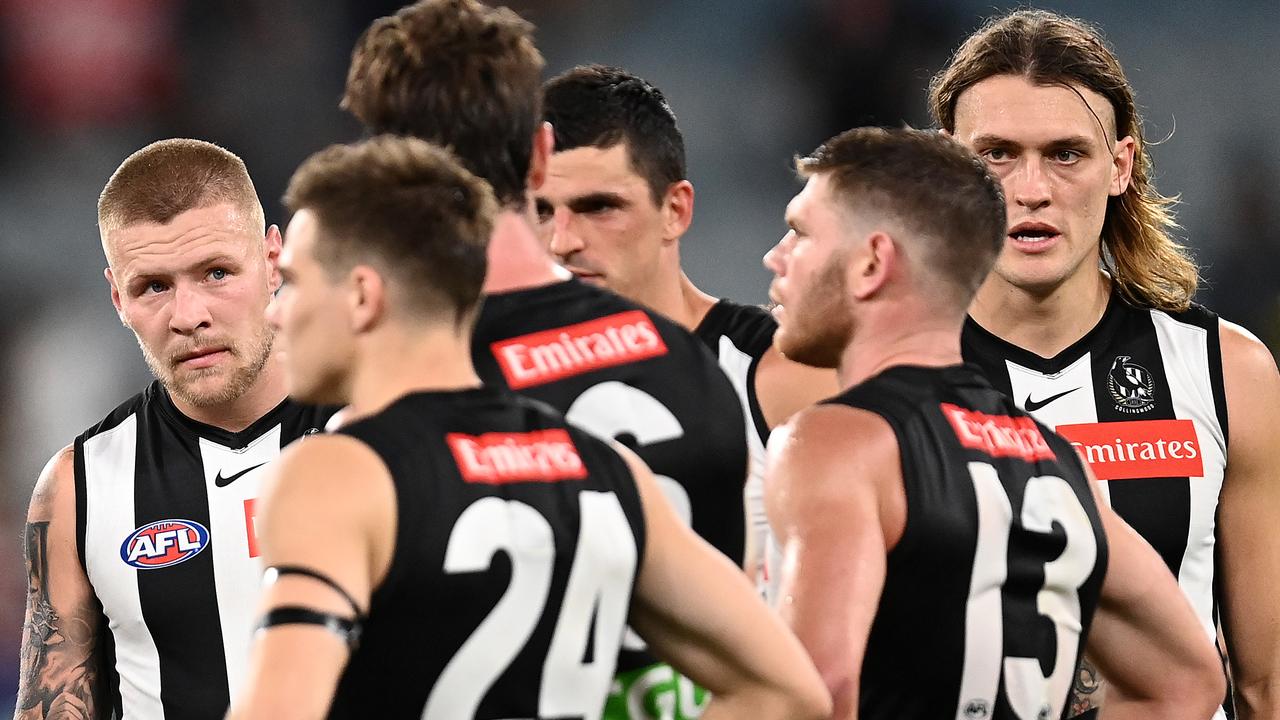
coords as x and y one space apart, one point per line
1086 693
58 675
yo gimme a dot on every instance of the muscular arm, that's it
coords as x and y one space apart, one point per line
1248 514
328 506
698 612
836 504
61 669
1145 637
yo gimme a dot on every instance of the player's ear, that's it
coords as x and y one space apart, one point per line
366 298
873 261
677 208
272 245
1122 165
544 142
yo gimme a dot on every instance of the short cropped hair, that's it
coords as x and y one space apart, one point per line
406 207
599 106
931 185
457 73
169 177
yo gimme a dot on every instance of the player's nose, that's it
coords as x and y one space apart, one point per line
565 239
775 259
1028 185
190 310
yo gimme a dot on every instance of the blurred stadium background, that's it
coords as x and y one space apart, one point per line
85 82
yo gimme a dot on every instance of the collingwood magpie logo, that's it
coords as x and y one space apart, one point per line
1131 386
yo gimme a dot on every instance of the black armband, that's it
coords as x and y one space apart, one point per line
346 628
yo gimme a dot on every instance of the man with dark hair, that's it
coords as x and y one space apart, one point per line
614 208
510 600
945 554
141 542
1087 321
439 69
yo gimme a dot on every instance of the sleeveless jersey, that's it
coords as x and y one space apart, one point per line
622 371
989 594
740 335
1141 396
165 524
518 540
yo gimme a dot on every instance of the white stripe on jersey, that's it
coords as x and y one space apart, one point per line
1076 406
236 575
109 467
737 365
1190 386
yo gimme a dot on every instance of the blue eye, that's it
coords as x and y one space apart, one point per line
156 286
218 274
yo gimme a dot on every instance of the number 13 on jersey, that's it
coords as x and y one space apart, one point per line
1047 500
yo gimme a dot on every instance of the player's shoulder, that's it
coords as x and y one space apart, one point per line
142 401
320 469
749 327
830 436
55 484
1242 353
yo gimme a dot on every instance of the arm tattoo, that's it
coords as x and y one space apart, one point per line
1086 692
59 663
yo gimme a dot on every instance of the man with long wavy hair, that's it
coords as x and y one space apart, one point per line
1088 322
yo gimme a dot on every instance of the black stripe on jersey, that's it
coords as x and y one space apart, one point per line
1159 509
82 499
188 638
757 414
751 329
1215 378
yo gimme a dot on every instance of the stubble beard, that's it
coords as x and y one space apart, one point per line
252 356
821 328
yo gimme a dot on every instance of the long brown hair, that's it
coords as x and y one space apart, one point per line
1150 267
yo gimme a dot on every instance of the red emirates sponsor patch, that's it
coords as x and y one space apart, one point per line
500 458
998 435
551 355
1138 448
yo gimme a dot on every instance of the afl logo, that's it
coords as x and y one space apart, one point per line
164 543
976 710
1131 386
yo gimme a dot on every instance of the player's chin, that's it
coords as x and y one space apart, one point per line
312 388
812 351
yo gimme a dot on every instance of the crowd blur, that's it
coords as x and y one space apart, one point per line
85 82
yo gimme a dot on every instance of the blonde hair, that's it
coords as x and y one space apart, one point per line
1147 263
169 177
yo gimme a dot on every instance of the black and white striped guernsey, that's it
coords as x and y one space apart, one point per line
165 524
740 335
989 593
1141 396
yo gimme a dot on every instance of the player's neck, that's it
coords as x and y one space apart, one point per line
878 346
394 362
679 299
517 259
266 392
1042 323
